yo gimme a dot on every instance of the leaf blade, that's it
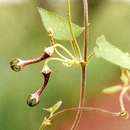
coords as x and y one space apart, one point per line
110 53
112 90
58 24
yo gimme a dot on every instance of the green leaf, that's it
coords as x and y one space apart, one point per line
59 25
112 90
54 108
110 53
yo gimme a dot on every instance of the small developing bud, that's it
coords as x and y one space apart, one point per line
124 114
50 32
46 71
16 64
49 51
33 99
51 36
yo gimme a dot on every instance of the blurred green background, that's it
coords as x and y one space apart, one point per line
22 35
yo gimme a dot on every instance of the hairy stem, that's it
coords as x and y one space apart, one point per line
83 65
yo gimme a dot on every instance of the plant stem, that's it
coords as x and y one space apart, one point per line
53 43
86 31
121 98
74 41
83 65
117 114
84 109
63 48
54 59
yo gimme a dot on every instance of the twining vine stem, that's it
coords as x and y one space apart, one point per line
74 42
115 114
83 65
121 99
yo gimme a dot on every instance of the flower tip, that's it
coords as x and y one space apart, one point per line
14 65
124 115
33 100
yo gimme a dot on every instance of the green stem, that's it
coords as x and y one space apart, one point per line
63 48
74 42
54 59
53 43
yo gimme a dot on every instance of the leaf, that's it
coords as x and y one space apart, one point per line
59 25
112 90
54 108
110 53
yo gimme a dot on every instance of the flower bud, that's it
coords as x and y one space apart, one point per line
16 64
49 51
46 71
33 99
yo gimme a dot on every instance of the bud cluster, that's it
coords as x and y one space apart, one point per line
18 64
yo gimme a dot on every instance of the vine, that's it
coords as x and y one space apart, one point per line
103 50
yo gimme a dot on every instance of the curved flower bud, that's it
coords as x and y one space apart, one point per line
16 64
33 99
